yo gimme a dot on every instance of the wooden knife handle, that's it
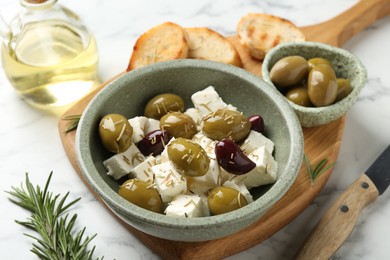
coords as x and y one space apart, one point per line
340 29
338 222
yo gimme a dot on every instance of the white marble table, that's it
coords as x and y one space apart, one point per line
29 140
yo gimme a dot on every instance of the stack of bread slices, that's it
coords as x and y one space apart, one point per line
257 32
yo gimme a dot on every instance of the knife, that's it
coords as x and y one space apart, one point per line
340 219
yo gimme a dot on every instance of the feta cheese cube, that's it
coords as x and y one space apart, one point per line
195 115
213 175
256 140
202 184
227 176
143 171
121 164
168 181
164 154
210 150
207 101
158 159
202 140
197 187
265 171
240 186
186 206
206 209
153 125
139 124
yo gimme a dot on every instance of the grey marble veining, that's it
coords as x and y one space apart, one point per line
29 140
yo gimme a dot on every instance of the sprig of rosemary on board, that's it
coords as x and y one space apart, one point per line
318 169
57 238
74 122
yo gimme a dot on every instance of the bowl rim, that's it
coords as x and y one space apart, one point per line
341 105
126 209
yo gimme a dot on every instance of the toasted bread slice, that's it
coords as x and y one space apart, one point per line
163 42
261 32
207 44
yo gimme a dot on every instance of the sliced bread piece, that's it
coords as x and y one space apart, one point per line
207 44
163 42
261 32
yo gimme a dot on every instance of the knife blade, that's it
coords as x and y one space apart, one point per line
340 219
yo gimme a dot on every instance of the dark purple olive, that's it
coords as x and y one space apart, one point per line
153 142
257 123
231 158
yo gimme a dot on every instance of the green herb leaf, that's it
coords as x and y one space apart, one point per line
74 122
320 168
57 238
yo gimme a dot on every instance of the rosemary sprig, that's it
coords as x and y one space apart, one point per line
74 122
57 238
320 168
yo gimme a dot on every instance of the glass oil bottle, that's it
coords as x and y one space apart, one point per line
49 56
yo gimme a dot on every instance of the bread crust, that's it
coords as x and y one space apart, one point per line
166 41
207 44
261 32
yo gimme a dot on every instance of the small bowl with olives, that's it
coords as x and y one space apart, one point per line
107 135
320 82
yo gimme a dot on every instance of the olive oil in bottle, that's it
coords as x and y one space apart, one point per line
52 61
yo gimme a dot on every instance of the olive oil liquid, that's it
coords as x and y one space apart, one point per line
50 66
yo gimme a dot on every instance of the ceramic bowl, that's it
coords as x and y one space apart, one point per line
346 66
128 95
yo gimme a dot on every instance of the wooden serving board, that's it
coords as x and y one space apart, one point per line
320 142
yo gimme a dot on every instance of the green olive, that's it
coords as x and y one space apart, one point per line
225 199
142 194
226 123
178 124
115 132
289 71
162 104
343 88
188 158
322 85
317 61
299 96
